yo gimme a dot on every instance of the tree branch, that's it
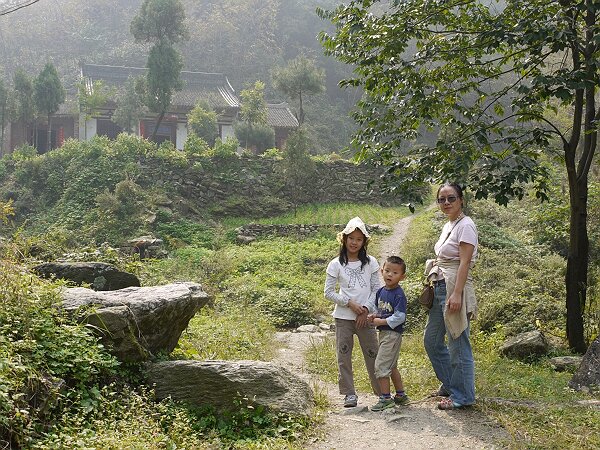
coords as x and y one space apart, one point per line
13 8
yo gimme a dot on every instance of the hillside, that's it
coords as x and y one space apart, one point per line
81 201
116 190
243 39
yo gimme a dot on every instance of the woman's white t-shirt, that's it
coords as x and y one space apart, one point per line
463 231
356 283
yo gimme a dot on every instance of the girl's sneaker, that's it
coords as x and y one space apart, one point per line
401 399
350 401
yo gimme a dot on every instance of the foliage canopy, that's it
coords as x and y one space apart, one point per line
485 80
299 77
49 92
203 122
160 20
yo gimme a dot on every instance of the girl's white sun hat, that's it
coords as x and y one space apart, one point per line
355 223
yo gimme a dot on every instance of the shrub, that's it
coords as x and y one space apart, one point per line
6 210
494 237
520 287
184 230
202 122
41 349
259 137
23 153
273 153
225 149
195 146
188 264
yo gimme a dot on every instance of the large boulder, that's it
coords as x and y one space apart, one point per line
101 276
526 345
137 323
145 246
219 383
587 377
565 363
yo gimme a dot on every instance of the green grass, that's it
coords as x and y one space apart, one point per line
241 334
279 281
338 213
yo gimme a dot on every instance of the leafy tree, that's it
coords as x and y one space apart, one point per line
253 110
164 66
298 168
259 137
22 105
300 77
254 107
161 22
490 76
248 29
202 121
130 108
90 100
49 94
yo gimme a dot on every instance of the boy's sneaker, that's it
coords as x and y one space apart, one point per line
383 403
350 401
401 399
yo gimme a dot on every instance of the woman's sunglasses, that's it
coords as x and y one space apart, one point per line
451 199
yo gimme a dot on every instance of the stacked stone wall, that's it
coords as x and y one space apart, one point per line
256 186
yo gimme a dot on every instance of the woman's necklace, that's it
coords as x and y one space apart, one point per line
460 216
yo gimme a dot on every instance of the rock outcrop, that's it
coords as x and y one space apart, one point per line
137 323
145 246
526 345
101 276
587 377
219 383
565 363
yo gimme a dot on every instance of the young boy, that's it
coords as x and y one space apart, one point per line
389 319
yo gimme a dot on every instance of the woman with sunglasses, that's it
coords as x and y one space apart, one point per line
446 337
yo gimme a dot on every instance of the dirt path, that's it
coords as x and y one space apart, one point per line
418 425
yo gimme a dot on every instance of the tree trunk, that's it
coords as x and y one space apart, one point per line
2 134
158 121
49 144
301 110
577 264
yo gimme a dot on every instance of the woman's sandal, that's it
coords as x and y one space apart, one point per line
446 404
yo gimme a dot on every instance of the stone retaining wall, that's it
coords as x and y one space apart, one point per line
254 186
250 232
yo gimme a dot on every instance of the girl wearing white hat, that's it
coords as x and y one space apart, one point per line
357 275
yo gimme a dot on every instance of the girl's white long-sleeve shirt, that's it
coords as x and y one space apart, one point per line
355 283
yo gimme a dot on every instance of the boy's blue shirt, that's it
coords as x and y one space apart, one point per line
391 305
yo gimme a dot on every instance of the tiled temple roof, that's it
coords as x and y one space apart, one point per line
212 88
280 116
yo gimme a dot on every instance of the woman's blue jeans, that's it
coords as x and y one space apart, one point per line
453 363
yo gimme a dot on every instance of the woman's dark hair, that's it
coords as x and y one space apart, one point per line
362 253
453 185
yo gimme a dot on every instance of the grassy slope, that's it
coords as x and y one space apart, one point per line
277 281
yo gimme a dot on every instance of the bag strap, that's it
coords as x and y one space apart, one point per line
427 281
449 233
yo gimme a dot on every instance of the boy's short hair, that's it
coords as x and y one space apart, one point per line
396 260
